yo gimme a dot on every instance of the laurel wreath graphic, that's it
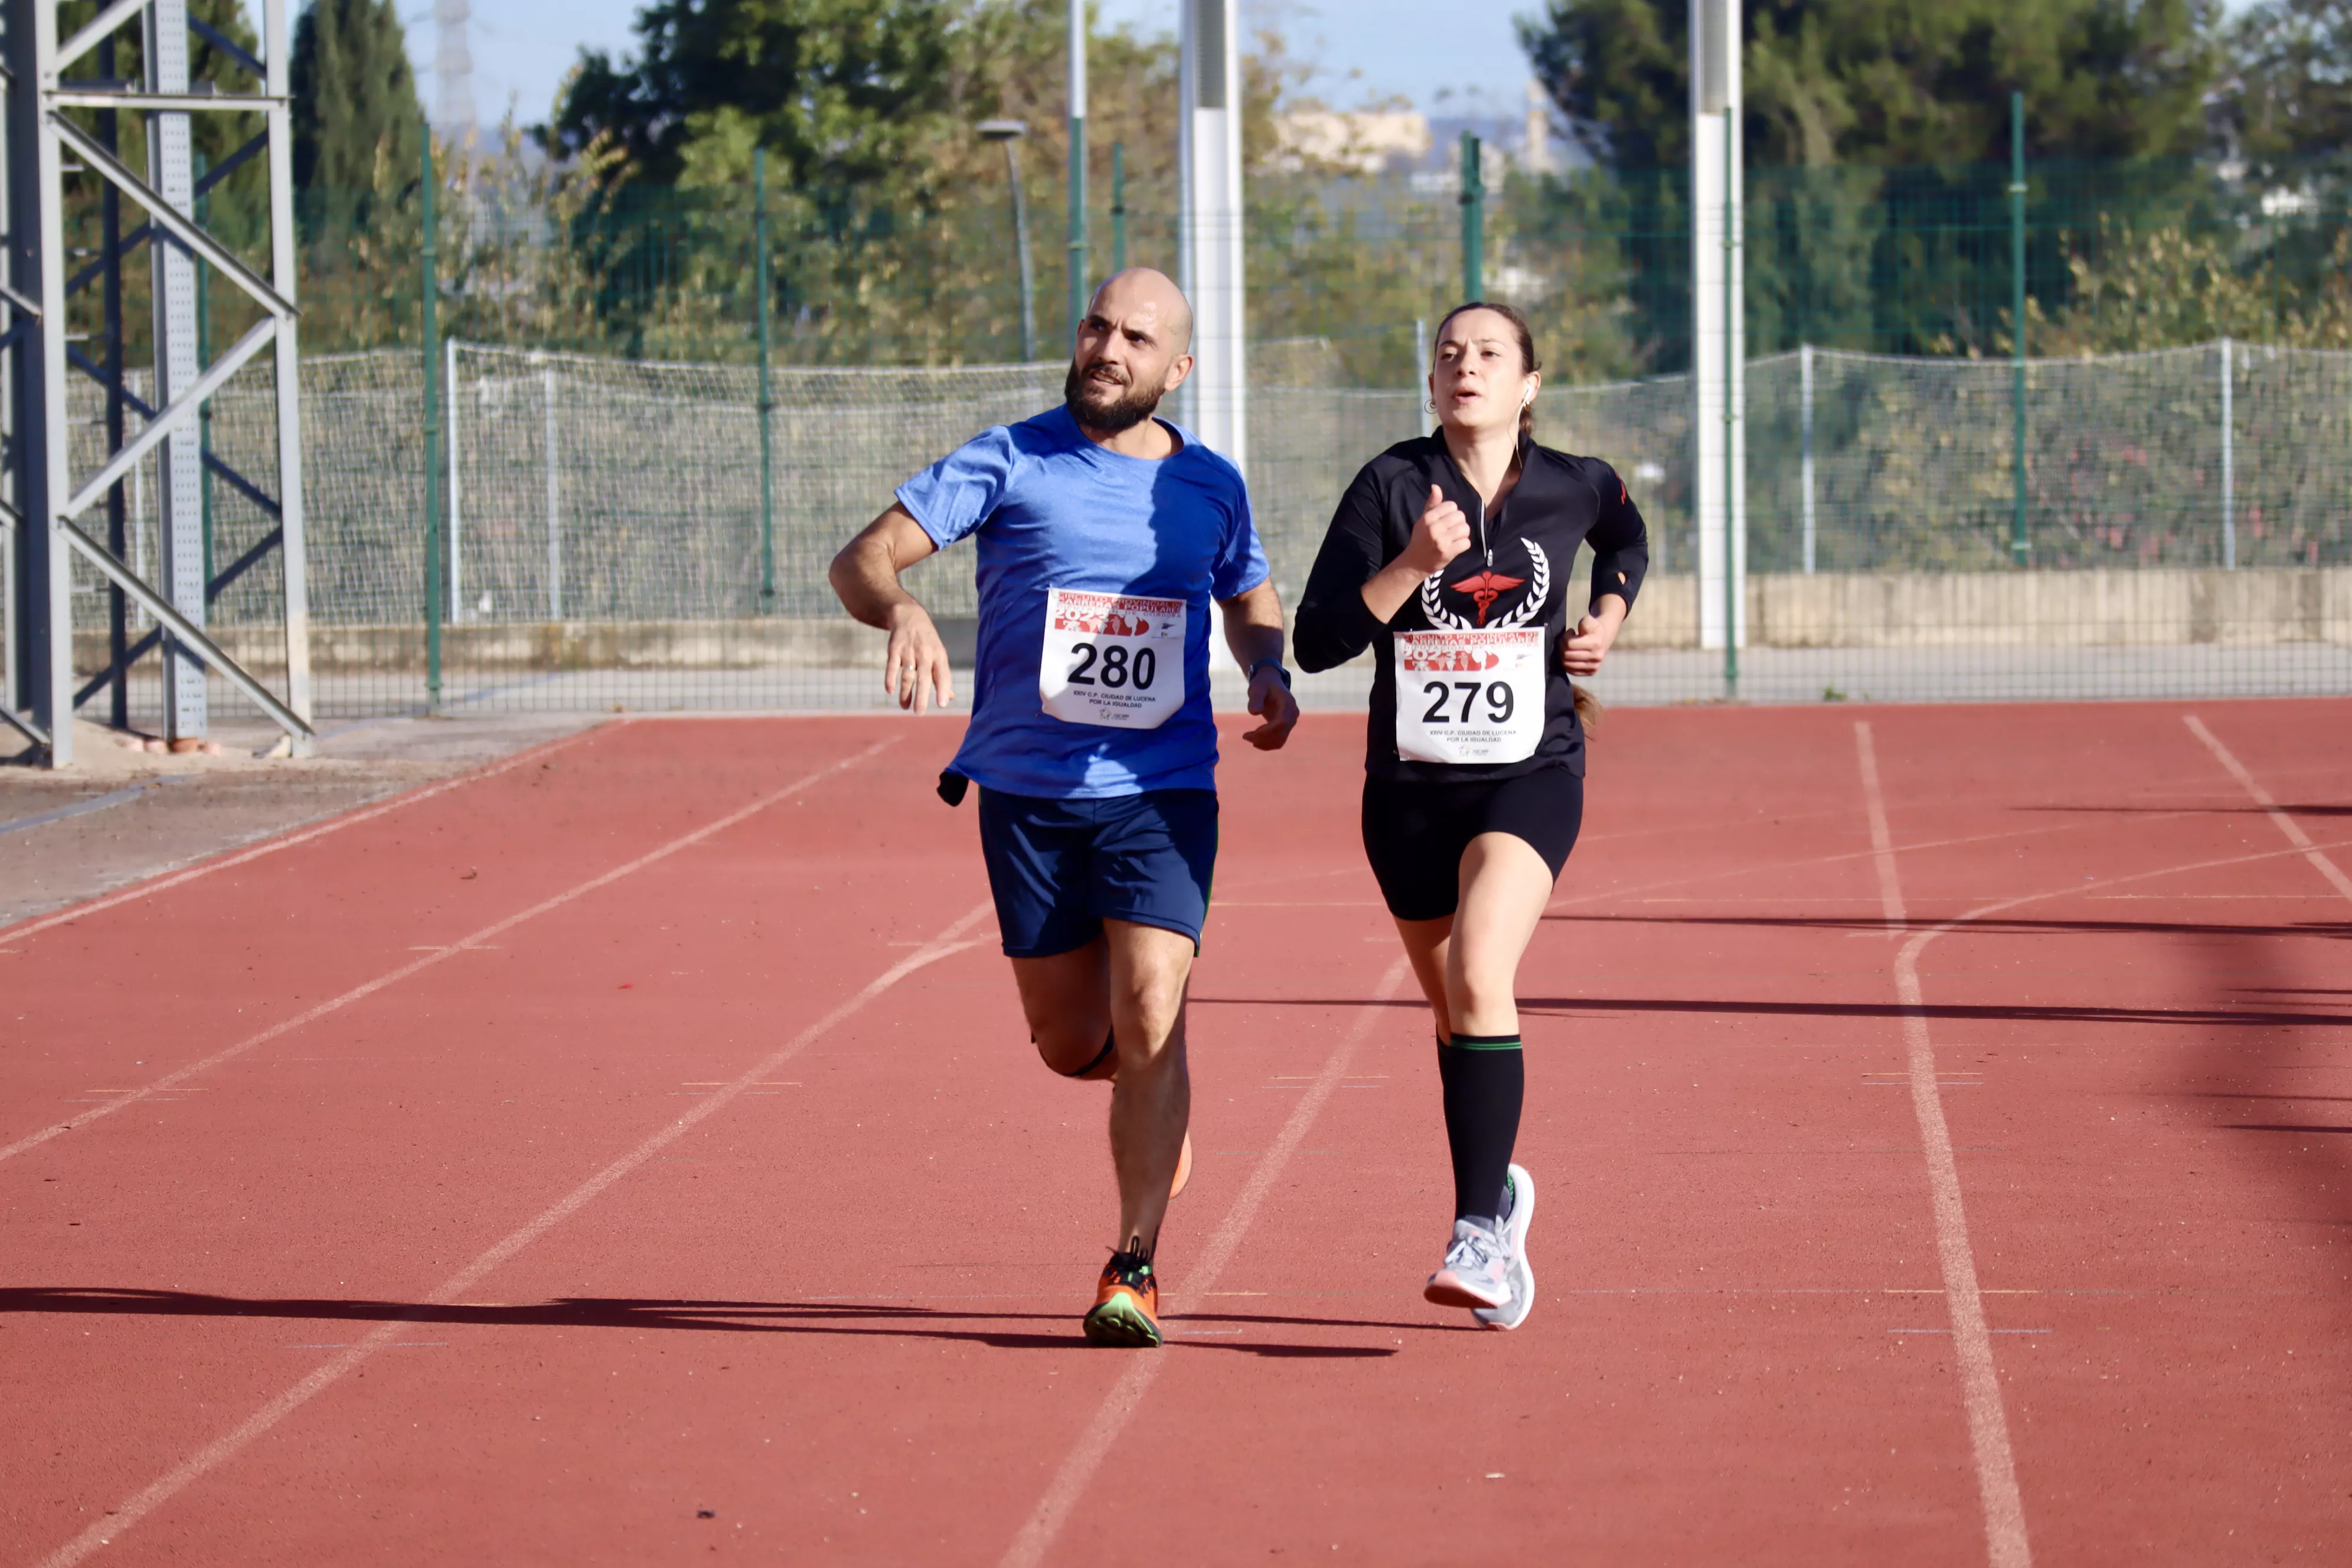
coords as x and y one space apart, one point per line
1538 590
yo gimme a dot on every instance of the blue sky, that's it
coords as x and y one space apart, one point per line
1413 47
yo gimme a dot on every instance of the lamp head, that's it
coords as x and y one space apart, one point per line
1002 130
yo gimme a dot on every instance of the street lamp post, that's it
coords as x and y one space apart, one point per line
1009 131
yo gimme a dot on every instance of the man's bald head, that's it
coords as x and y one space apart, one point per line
1148 291
1133 348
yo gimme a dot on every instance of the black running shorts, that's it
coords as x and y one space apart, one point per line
1414 833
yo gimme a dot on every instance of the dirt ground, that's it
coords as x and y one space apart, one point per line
120 814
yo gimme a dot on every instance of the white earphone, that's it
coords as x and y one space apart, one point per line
1529 397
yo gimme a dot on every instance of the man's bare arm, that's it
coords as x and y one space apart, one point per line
1253 632
865 577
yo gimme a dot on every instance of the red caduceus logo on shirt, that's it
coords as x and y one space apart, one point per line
1485 589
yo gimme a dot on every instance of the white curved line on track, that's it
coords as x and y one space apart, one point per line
1996 1464
2007 1544
418 966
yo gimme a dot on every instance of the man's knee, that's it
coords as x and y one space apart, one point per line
1074 1042
1071 1055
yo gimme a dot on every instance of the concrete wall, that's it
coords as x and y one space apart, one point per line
2025 609
1876 610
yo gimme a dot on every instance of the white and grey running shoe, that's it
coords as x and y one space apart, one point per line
1475 1270
1519 1213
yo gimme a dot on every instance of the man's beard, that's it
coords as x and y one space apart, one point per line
1132 407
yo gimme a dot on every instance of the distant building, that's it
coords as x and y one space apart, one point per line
1428 147
1535 139
1366 141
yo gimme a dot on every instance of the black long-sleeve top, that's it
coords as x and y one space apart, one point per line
1560 502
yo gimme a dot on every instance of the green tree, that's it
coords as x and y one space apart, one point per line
840 92
354 97
2289 90
1888 81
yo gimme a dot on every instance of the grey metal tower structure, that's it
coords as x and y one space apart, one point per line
46 504
453 67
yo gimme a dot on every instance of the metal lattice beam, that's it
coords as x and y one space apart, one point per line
37 354
186 630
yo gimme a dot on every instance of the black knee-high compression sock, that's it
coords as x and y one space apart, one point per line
1484 1078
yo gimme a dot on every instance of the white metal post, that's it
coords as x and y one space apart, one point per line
179 460
1423 421
1805 365
457 535
2229 465
1209 156
48 154
276 59
554 507
1718 436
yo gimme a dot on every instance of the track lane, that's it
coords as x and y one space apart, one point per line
1706 1377
2153 1295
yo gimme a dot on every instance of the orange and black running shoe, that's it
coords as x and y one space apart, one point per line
1127 1304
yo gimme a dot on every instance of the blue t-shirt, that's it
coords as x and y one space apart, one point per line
1052 510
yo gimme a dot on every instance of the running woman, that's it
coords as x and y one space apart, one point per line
1104 533
1451 554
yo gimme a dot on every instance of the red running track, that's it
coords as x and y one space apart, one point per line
633 1155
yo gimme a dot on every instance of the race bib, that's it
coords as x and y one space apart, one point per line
1469 696
1111 659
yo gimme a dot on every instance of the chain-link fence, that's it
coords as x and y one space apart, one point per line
610 543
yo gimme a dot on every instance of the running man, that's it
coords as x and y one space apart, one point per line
1103 533
1451 553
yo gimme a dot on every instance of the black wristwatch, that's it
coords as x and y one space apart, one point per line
1261 664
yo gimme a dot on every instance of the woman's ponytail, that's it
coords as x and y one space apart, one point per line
1588 708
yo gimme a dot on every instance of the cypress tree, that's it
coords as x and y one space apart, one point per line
354 92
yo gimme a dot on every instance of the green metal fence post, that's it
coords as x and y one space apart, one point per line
767 399
432 288
1118 207
2020 543
1732 369
1473 220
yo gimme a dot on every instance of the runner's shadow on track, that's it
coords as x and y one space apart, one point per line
2003 926
2304 810
849 1319
2208 1017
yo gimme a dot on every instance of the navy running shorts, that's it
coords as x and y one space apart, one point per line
1415 832
1059 868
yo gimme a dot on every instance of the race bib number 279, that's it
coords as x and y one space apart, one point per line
1111 659
1469 696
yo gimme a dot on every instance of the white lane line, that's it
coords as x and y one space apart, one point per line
1078 1466
1996 1464
394 977
333 824
226 1446
1882 842
1907 966
2262 797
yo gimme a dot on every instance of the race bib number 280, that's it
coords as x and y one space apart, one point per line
1111 659
1469 696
